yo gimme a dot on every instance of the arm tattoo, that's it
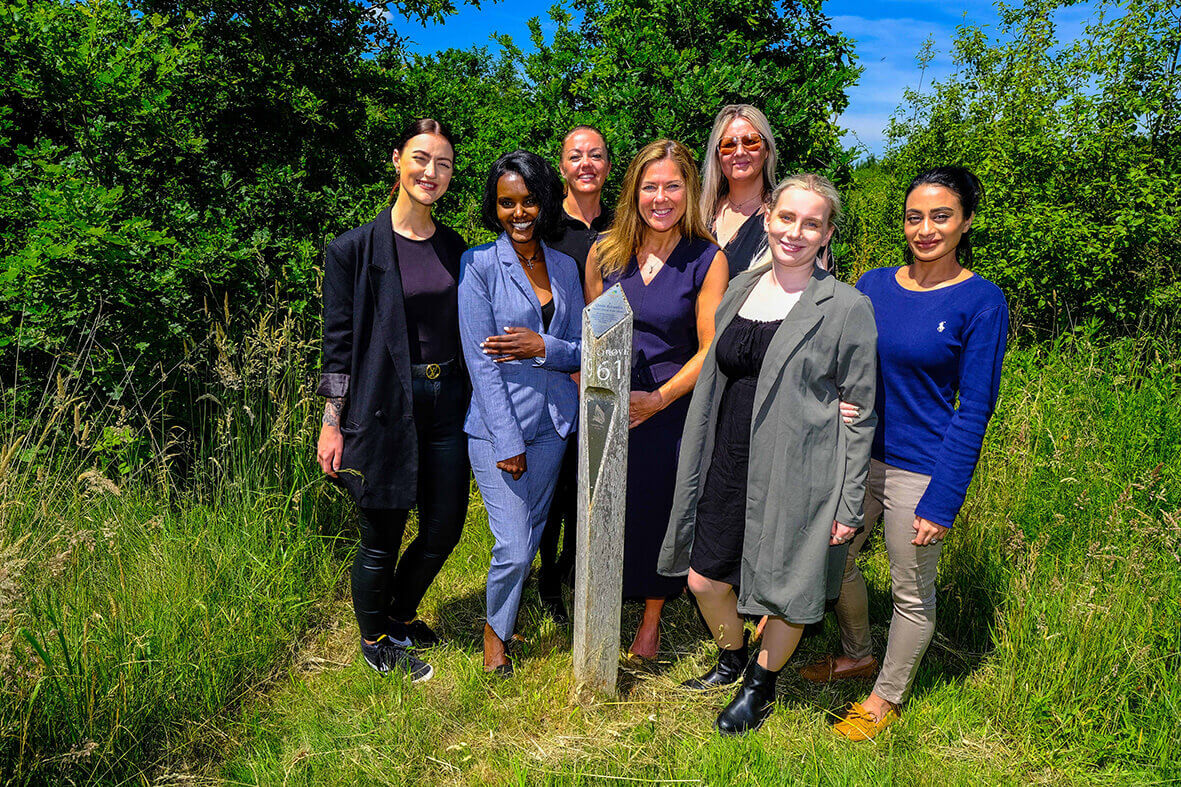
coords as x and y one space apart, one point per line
332 409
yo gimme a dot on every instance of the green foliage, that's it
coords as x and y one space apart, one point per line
654 68
872 233
638 71
1079 147
133 612
1085 466
163 160
142 625
1056 658
125 208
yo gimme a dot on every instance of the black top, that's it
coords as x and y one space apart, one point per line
367 360
429 287
745 244
547 313
575 238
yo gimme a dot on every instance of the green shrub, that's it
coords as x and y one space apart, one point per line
1077 145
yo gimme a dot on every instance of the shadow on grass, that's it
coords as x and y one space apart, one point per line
967 611
968 605
461 623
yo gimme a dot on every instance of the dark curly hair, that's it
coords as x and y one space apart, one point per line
540 178
965 185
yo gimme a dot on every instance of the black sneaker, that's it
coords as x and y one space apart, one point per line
420 634
386 656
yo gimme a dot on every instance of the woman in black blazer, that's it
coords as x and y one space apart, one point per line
397 395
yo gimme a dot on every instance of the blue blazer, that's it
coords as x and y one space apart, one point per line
510 399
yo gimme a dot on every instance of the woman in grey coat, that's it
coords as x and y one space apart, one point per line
770 481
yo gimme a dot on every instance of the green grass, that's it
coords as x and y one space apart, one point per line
137 614
208 636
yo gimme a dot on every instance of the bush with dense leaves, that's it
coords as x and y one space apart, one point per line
1078 144
168 163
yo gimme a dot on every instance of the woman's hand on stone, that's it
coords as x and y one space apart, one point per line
840 534
329 448
642 405
927 532
515 344
514 466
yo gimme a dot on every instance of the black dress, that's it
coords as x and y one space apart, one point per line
664 339
721 510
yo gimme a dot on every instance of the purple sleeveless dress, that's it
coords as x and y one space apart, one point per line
664 337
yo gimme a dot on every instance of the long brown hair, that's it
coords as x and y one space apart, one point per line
619 243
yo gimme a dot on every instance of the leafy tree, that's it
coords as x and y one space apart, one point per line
158 157
88 147
1078 147
166 163
639 71
662 68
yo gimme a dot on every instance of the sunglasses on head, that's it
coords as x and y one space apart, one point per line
751 142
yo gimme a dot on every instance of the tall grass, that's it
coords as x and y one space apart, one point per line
152 588
1056 656
150 577
1085 465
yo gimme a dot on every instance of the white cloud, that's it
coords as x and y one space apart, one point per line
887 48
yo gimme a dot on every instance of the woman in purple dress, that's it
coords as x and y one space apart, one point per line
673 274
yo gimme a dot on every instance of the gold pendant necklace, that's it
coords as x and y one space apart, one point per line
738 208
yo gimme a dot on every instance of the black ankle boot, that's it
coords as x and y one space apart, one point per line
728 669
752 704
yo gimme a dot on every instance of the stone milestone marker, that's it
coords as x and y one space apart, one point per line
602 490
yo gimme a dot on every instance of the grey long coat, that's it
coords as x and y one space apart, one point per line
807 467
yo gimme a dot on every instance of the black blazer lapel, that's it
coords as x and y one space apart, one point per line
389 305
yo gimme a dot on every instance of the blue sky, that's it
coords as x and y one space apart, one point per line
888 35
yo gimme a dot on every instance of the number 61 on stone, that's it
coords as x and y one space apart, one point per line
602 491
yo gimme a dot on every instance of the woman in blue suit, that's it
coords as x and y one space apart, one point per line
520 307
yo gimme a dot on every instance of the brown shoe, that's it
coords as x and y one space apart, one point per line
825 670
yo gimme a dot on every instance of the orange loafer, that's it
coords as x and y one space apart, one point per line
860 725
825 670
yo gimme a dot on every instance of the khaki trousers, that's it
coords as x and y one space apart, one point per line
892 494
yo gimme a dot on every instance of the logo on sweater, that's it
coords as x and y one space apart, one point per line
942 325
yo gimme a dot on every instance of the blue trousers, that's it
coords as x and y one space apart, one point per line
517 511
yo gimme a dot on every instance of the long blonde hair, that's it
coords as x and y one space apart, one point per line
620 242
817 184
715 185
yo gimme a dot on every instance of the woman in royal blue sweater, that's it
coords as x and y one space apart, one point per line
941 338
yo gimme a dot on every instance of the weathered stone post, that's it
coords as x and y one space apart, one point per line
602 490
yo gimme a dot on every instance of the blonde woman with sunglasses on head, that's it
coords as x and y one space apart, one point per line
738 177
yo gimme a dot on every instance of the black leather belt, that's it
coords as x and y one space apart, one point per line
433 371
